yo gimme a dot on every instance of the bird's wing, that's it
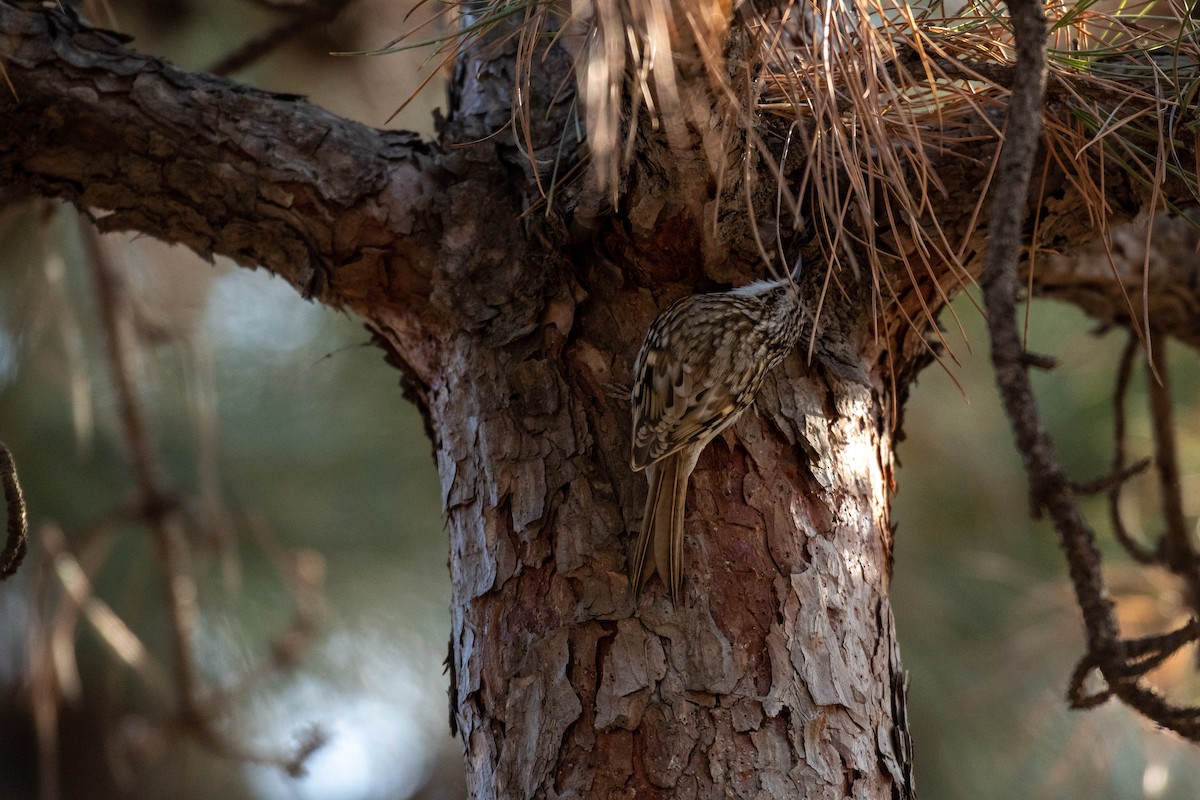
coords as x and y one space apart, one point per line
676 403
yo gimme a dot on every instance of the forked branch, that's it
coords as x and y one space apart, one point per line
1122 663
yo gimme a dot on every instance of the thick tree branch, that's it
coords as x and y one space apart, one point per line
1134 276
262 178
270 180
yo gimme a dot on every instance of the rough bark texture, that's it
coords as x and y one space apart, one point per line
759 680
778 675
265 179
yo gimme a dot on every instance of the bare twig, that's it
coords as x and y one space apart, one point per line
1137 551
304 16
1112 481
159 508
1051 488
1175 550
17 539
1142 655
111 629
304 573
45 689
1121 663
1039 361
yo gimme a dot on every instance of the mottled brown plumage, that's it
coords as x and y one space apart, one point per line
701 365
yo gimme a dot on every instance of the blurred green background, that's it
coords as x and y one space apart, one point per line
282 426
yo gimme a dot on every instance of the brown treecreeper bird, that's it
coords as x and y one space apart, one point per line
701 365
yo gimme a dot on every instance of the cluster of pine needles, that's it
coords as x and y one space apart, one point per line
878 91
871 92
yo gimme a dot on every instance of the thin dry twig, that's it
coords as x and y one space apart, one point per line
1136 550
159 506
63 594
77 585
304 15
1175 550
16 541
1111 481
1122 663
1039 361
161 511
1141 656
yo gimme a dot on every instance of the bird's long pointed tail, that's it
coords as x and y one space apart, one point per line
660 544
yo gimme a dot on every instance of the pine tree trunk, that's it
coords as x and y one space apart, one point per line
778 674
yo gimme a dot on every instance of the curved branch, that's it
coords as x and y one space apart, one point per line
17 540
265 179
1121 662
1050 487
